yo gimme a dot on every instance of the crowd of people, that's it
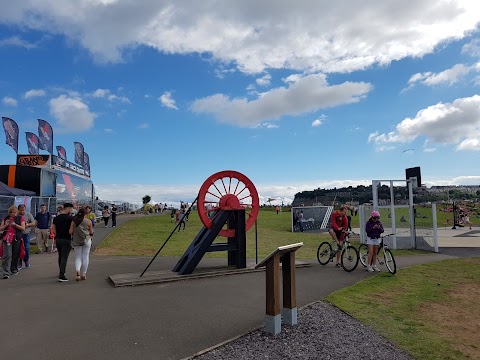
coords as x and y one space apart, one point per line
58 232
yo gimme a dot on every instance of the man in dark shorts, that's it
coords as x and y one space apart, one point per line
60 228
338 227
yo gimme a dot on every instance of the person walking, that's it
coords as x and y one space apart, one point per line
181 220
61 232
90 215
82 230
12 225
106 215
374 229
43 221
114 216
29 224
300 220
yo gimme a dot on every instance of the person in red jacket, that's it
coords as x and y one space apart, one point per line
338 227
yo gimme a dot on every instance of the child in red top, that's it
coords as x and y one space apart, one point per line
338 226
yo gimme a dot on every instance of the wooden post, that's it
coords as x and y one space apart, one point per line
273 318
289 310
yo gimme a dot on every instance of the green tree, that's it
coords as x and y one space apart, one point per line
146 199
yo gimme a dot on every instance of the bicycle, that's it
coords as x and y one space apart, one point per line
349 255
384 255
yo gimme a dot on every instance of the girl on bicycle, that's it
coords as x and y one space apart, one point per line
374 229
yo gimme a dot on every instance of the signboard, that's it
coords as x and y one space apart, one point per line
33 160
62 163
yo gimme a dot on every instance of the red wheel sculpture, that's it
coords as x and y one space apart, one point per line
227 190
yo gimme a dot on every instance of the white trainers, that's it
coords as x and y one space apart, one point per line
375 268
370 269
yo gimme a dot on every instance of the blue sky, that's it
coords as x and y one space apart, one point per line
295 96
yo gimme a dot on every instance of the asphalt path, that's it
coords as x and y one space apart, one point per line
44 319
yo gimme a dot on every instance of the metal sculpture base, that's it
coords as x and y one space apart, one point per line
203 242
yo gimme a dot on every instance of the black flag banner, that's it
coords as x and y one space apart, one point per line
79 153
86 162
62 153
11 133
45 135
32 143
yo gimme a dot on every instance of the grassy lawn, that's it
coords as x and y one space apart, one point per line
430 311
145 235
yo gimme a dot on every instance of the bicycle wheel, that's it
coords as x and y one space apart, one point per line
363 254
390 261
349 258
324 253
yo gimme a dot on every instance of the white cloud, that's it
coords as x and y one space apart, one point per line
71 113
167 101
34 93
264 80
143 126
472 48
17 41
469 144
8 101
456 123
122 99
108 131
107 94
308 94
319 121
448 77
101 93
429 150
348 35
265 125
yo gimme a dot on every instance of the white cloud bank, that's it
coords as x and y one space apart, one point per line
133 193
325 36
306 94
456 123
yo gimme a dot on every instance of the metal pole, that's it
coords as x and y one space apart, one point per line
411 212
392 211
435 233
256 243
173 231
454 217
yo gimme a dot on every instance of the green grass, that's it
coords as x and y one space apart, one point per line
145 235
427 310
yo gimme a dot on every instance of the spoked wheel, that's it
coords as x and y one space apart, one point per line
386 258
363 254
349 258
227 190
324 253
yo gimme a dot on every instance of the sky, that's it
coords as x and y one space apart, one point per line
294 95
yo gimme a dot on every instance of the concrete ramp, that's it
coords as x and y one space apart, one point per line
167 276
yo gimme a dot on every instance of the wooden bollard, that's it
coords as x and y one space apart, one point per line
273 318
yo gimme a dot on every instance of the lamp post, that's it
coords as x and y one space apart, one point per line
454 227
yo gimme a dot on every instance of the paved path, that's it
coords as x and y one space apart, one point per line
92 320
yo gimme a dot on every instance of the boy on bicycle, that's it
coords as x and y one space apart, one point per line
338 227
